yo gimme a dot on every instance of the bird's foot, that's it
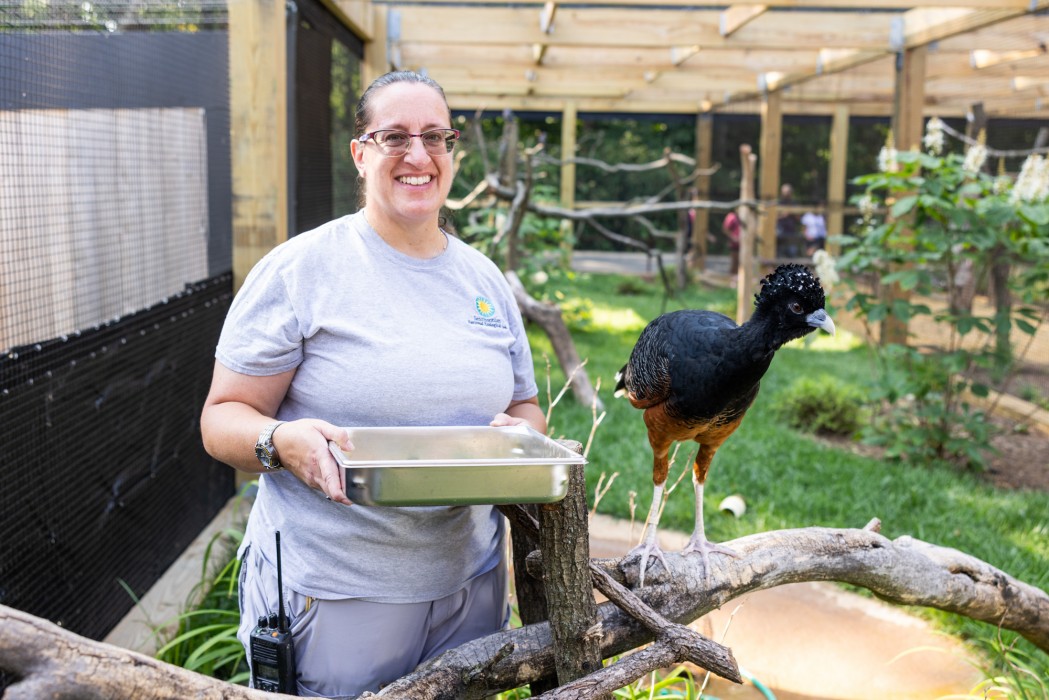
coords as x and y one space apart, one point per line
705 548
646 550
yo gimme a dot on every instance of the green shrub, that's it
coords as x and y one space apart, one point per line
821 404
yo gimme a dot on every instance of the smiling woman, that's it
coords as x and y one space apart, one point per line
404 157
377 319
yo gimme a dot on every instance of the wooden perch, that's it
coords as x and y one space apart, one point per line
55 663
682 642
50 661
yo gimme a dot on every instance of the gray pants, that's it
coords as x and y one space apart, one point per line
346 647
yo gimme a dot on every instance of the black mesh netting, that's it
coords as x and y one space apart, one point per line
115 258
106 479
115 251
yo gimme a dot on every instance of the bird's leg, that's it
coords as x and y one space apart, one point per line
649 546
699 542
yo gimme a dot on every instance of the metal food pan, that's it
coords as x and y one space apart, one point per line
416 466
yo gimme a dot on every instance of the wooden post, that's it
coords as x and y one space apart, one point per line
568 146
746 279
907 120
564 541
530 593
839 154
701 223
259 130
769 156
682 238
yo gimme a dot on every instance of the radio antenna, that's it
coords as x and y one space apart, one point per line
282 621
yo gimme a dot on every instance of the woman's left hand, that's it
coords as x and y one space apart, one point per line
526 412
503 419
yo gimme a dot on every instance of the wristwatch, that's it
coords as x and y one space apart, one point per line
265 450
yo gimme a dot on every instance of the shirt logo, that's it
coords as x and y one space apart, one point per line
484 314
484 307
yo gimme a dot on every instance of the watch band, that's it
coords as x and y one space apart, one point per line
265 450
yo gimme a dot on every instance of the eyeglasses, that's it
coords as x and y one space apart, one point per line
391 142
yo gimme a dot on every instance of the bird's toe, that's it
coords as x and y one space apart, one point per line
705 548
646 552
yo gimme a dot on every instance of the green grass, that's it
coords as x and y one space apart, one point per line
788 478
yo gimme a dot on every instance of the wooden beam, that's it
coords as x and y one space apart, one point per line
925 25
838 60
495 101
621 27
358 15
546 17
680 54
735 17
376 50
981 58
259 130
836 176
769 158
1026 82
546 26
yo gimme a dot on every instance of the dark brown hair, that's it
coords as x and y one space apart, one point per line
363 115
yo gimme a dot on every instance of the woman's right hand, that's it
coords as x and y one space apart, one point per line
302 446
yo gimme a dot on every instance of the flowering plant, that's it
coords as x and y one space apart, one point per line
935 225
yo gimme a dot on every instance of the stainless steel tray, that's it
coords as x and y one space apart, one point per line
415 466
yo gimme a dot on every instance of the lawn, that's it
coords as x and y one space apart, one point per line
788 478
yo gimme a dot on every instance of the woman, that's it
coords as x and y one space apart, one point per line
379 318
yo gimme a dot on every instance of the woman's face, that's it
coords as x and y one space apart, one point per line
408 189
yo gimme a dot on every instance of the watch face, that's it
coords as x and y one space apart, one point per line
267 459
266 453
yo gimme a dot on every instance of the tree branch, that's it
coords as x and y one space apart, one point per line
51 661
548 317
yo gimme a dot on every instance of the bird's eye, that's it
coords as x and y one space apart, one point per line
795 307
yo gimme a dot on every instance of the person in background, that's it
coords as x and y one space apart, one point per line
814 227
379 318
732 227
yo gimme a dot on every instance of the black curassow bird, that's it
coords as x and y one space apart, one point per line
695 373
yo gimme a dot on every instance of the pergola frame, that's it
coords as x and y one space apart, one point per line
904 59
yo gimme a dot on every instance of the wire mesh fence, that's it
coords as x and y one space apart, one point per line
115 240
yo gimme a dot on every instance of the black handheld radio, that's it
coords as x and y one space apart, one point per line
272 651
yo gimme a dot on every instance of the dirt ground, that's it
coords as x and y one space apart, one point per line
1020 459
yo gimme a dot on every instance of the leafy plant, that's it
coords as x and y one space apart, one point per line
821 404
930 219
676 684
205 635
1016 673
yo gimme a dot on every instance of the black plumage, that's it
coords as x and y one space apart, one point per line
695 373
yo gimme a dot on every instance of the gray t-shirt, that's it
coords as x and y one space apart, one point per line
378 339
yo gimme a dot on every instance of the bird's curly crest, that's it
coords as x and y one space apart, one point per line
791 278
